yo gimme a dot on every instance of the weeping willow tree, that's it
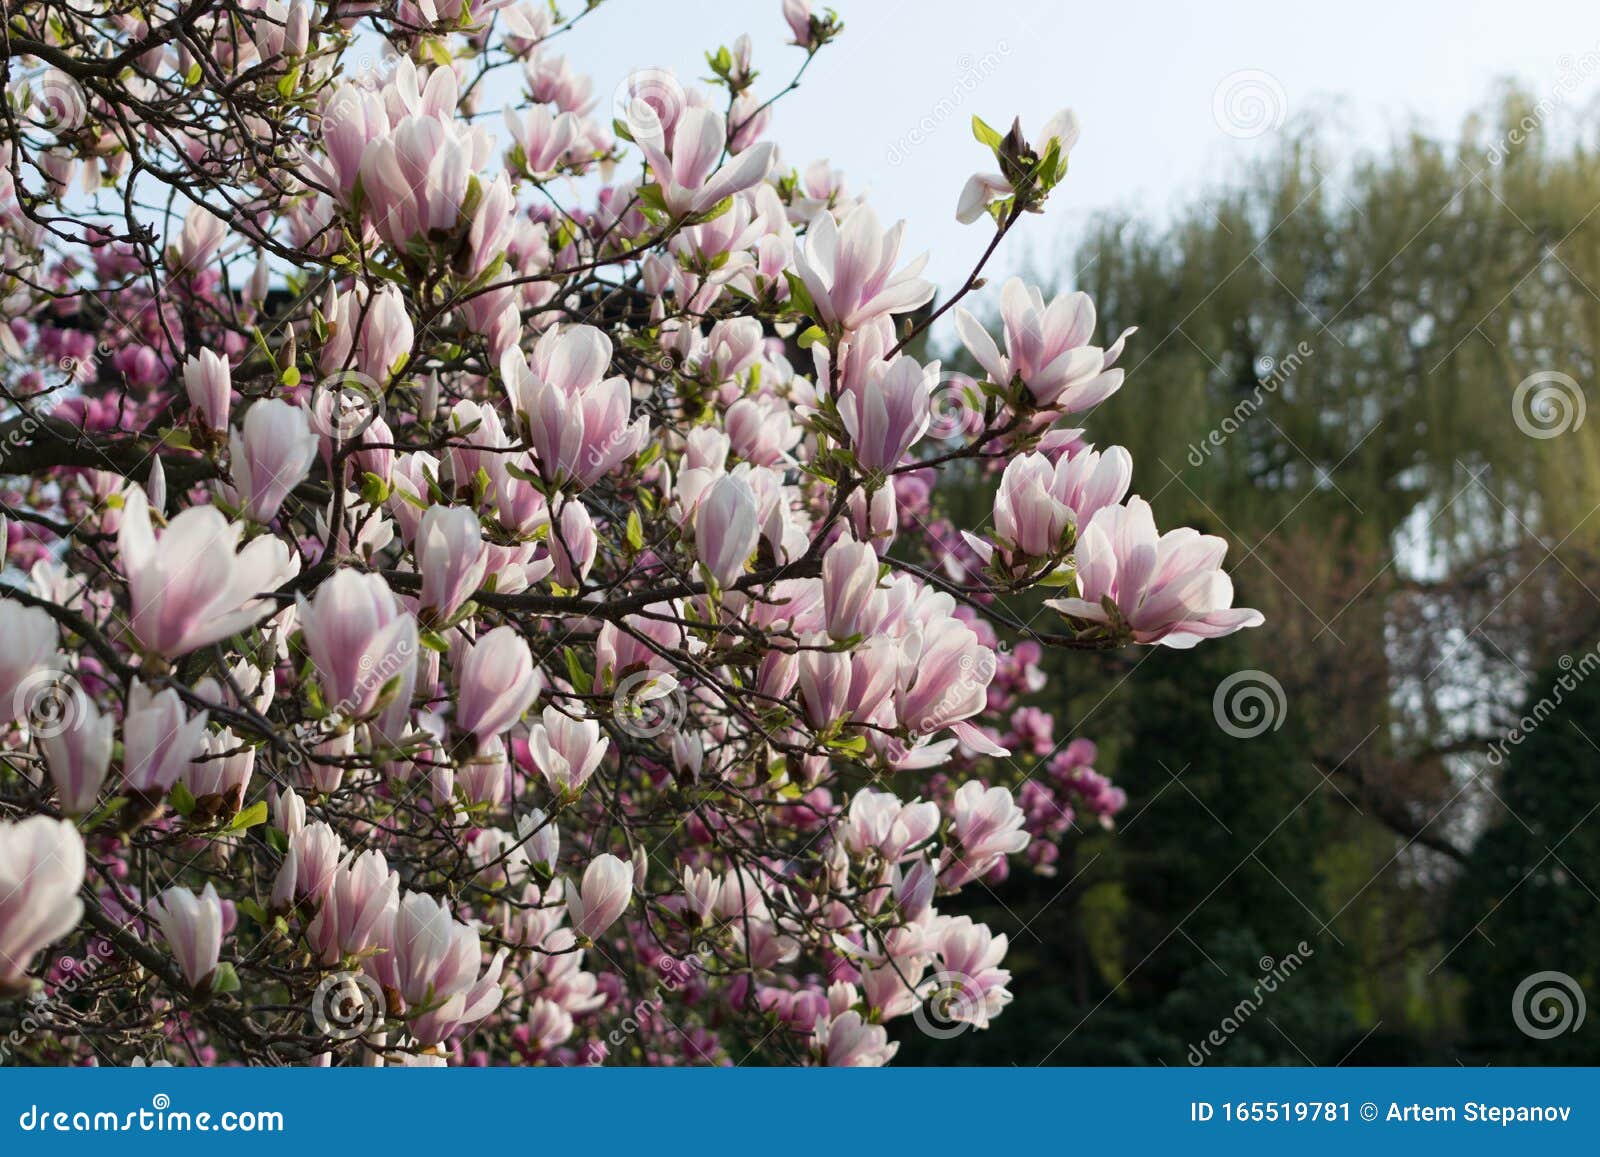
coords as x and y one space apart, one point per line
1380 369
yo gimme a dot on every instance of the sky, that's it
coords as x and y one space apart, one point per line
1173 97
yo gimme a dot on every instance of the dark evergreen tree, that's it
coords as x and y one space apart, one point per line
1529 900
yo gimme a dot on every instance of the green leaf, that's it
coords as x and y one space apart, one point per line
635 531
253 815
225 979
374 490
799 295
985 134
580 678
182 800
812 335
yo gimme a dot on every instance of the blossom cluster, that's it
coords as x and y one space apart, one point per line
464 568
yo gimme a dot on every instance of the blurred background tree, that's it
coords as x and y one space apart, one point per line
1378 367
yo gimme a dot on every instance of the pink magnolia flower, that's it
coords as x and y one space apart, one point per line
1047 347
848 270
889 412
192 928
849 578
689 179
727 528
363 893
496 683
847 1041
309 864
797 15
1168 588
450 555
223 769
576 418
159 741
855 688
436 962
360 640
1037 502
415 178
605 894
270 456
369 332
879 822
187 586
973 985
32 642
540 139
988 827
79 757
203 234
573 544
945 672
208 381
566 751
41 870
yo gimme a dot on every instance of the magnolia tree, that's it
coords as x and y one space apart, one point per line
473 589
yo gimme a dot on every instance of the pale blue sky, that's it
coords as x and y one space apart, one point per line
1143 79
